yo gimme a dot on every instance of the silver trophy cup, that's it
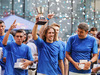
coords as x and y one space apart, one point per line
42 20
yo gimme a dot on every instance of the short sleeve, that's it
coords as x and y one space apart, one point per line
4 52
30 54
60 55
38 42
8 46
68 45
95 48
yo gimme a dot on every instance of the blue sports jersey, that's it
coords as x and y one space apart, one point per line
81 49
10 39
49 54
15 52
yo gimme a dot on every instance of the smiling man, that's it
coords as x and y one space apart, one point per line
49 51
79 48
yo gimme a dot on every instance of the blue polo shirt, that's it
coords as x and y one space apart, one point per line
48 56
10 39
81 49
14 52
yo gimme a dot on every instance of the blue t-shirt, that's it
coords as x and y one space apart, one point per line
48 56
81 49
15 52
10 39
64 52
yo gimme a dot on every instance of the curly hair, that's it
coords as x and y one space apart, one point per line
45 33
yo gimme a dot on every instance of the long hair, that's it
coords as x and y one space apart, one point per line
45 33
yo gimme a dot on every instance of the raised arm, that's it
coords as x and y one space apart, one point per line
4 42
34 31
50 16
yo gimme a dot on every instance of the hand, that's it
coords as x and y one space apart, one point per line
4 59
26 63
37 18
36 59
50 16
94 70
77 66
87 65
13 25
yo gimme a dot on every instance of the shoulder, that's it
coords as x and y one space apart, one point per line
91 38
73 37
61 42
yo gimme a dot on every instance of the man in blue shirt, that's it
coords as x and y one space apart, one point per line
2 34
57 27
17 50
49 51
79 47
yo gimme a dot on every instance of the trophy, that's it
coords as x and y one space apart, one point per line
42 20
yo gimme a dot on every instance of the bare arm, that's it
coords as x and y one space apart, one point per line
72 61
69 57
50 16
4 42
42 29
34 32
94 58
61 65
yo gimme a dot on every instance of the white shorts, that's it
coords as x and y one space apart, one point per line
73 73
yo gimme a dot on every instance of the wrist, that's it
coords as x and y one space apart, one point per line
48 19
31 63
9 30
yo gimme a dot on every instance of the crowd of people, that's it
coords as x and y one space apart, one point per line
43 51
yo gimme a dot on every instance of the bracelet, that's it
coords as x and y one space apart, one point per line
48 19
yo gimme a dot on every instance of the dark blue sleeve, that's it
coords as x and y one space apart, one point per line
60 55
4 52
38 42
68 46
8 46
95 48
30 57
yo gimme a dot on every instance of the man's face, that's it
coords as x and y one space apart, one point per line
2 28
82 33
93 33
19 37
57 29
50 35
